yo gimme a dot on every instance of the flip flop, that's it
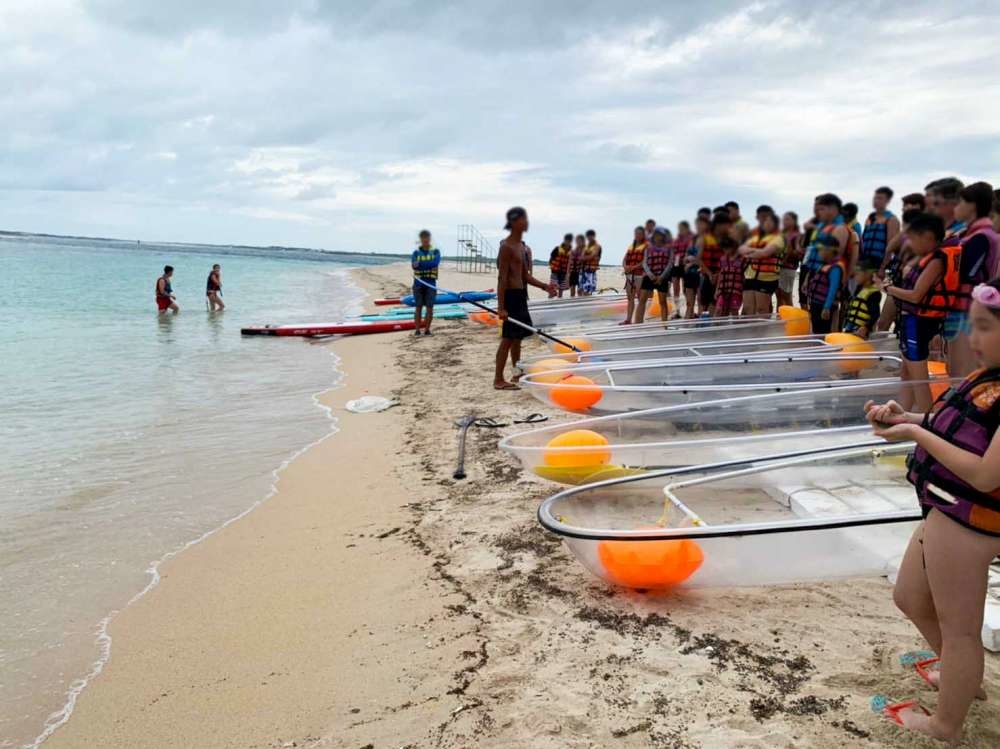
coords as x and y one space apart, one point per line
912 657
488 423
506 386
882 705
531 419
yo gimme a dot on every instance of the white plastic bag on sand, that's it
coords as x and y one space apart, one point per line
367 404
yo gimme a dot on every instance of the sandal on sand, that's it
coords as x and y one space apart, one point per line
912 657
882 705
506 386
489 423
531 419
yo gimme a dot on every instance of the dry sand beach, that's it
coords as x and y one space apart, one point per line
376 602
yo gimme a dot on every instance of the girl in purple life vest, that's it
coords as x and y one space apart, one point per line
943 576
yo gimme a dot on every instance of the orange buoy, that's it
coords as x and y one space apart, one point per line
796 320
938 369
654 306
549 370
592 449
651 565
581 343
850 343
575 393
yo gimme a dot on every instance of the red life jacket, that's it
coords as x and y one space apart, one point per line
560 260
711 253
634 255
730 275
940 300
967 416
658 259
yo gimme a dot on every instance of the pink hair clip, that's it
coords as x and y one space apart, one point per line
988 296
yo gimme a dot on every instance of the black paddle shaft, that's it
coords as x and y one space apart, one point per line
520 324
463 425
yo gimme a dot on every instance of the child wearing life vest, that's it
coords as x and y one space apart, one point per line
823 286
729 290
924 297
681 245
692 268
632 267
955 469
762 250
559 267
862 311
656 274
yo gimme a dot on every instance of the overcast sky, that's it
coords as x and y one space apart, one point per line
351 125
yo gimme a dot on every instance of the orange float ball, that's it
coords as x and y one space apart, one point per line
651 565
938 369
591 449
575 393
549 370
787 312
581 343
850 343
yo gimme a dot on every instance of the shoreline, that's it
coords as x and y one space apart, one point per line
375 601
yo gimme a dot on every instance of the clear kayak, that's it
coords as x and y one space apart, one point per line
589 338
832 343
719 431
633 386
795 517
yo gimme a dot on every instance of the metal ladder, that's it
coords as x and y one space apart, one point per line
475 253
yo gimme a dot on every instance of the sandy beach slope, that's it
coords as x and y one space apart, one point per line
375 602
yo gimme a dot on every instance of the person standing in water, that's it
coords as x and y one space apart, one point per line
213 289
513 279
165 299
425 261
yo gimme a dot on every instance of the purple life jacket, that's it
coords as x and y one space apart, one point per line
819 285
967 416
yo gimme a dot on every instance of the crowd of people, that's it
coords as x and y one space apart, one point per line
912 273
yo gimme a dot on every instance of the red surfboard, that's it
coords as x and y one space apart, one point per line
347 328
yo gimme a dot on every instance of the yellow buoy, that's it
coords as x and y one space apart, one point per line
591 449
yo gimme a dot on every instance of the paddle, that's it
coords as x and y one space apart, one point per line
463 424
518 323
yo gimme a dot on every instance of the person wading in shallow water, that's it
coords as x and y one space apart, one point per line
513 279
165 299
213 289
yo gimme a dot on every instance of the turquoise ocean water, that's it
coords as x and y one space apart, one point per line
126 436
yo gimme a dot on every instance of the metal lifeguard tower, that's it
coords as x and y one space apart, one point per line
475 253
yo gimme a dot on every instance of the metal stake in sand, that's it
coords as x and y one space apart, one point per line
511 320
463 425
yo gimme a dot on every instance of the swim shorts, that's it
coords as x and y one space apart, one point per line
423 296
819 325
761 287
163 303
574 278
634 282
786 280
692 278
560 280
677 271
916 334
588 281
515 303
648 284
706 293
955 324
729 304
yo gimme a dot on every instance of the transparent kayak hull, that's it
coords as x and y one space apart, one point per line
603 389
879 343
790 518
751 427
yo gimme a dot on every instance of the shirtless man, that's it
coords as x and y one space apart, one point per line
512 294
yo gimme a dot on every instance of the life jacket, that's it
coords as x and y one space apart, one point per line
966 416
790 257
765 268
818 286
426 256
590 260
210 284
559 261
167 290
730 275
658 259
680 246
979 227
940 300
711 253
875 237
634 255
857 314
812 261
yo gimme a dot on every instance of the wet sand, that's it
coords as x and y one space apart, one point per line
376 602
